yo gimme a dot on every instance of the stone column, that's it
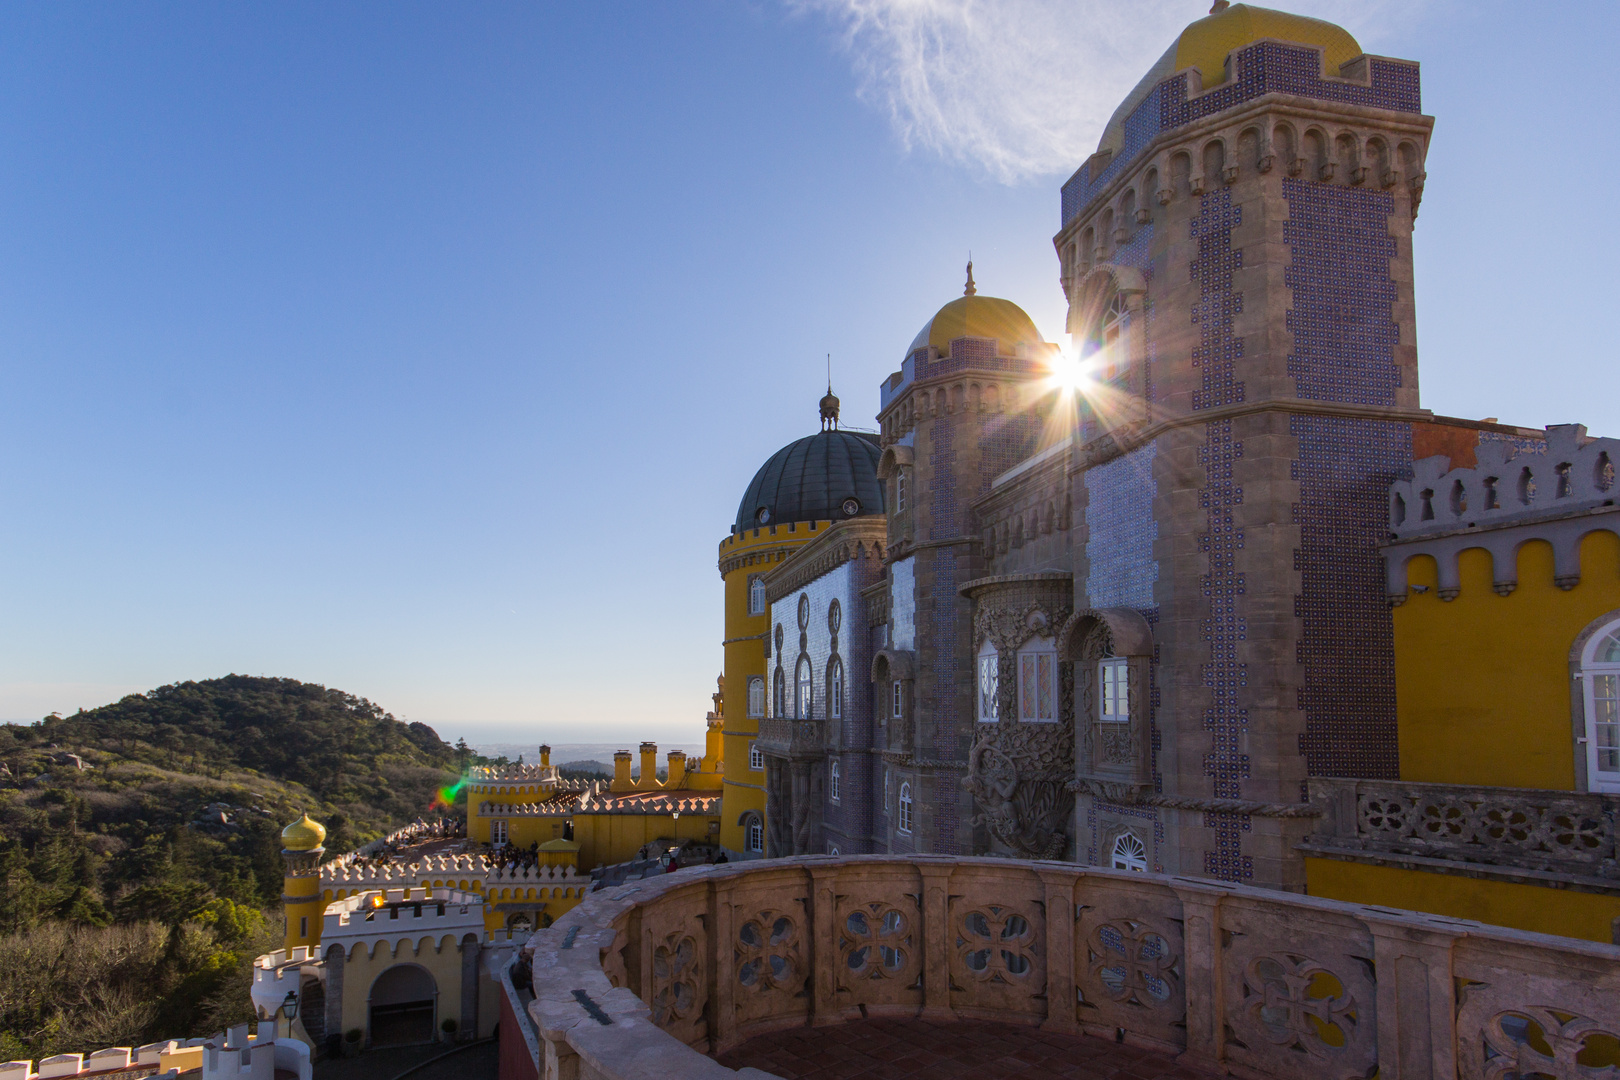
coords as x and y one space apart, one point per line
1205 981
936 879
1060 992
1417 1038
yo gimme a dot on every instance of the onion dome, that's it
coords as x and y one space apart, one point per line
828 476
972 315
1206 43
305 834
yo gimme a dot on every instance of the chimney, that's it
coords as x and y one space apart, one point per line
677 769
649 765
621 772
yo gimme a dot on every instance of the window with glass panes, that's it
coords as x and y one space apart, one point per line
989 684
1113 705
1600 676
1037 681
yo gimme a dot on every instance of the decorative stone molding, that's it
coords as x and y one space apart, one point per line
847 541
1236 980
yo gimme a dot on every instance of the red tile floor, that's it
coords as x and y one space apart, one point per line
974 1049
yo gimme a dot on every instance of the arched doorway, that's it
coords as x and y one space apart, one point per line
403 1006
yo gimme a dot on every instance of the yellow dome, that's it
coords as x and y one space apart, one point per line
305 834
1206 44
972 315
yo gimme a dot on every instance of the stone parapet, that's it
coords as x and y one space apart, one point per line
1568 834
1233 979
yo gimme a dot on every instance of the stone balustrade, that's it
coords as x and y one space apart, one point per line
1570 834
647 978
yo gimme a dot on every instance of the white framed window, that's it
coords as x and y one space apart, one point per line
1600 686
781 693
497 831
832 781
753 833
899 490
1129 854
756 757
756 595
1113 691
1037 681
989 683
905 808
801 696
898 700
835 689
756 696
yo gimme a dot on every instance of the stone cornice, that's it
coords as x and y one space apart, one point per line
853 538
1294 106
753 557
1034 577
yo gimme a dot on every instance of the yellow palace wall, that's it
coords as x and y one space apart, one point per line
1484 696
1483 689
605 839
441 957
744 788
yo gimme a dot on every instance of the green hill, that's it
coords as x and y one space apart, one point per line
156 820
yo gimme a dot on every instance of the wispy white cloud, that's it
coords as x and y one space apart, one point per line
1021 89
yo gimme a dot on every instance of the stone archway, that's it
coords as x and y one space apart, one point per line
404 1006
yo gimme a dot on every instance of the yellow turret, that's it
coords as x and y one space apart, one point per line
301 902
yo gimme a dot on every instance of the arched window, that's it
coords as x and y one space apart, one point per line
1113 704
833 781
1105 344
753 832
756 757
756 595
756 696
801 697
905 808
780 704
835 689
1037 681
1129 854
832 849
1600 685
989 683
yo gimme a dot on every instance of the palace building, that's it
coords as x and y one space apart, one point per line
1143 602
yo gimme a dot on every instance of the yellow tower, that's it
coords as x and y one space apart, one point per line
797 494
301 900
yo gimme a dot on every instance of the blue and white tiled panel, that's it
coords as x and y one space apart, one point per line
1121 530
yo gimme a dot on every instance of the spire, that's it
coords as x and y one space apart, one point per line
971 289
829 404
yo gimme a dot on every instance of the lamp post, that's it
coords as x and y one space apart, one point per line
289 1009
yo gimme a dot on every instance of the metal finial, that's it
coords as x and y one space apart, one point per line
971 288
829 404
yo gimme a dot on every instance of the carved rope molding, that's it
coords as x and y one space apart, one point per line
1259 983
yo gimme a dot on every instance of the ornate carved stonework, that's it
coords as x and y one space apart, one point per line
1018 772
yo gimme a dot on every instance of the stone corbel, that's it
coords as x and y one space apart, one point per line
1196 183
1358 174
1326 172
1230 174
1390 178
1144 216
1164 195
1296 167
1266 162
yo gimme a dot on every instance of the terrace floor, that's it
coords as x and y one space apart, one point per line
870 1049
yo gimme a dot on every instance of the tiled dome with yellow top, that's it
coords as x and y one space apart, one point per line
305 834
1205 45
972 315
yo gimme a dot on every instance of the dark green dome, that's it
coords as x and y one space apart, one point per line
821 477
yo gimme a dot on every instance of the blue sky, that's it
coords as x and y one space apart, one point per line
425 350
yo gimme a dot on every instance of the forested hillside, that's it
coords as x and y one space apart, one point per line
140 865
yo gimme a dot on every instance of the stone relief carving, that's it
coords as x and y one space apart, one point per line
677 981
875 941
767 953
1299 1005
1535 1041
1134 962
1018 772
997 944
